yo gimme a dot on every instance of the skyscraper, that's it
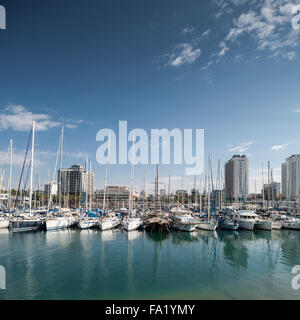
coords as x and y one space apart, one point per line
237 178
75 180
290 178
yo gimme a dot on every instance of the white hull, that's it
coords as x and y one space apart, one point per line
264 225
87 224
276 225
58 223
132 224
247 225
291 225
4 223
107 224
207 226
184 227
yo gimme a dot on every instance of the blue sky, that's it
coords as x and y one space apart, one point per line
228 66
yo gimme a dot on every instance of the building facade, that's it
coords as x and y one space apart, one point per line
237 178
116 197
75 181
290 178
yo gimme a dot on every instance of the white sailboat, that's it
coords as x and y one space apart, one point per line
63 220
4 221
132 222
28 222
208 223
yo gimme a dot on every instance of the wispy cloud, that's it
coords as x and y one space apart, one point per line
187 30
206 33
183 53
269 24
279 147
241 148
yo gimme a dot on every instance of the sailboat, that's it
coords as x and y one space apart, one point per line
208 223
156 221
27 221
132 222
90 219
65 220
4 220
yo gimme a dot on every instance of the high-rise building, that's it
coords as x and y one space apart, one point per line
237 178
290 178
75 180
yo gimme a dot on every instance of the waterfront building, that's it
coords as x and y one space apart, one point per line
75 180
237 178
290 178
117 196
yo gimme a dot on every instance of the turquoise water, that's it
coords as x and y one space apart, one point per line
138 265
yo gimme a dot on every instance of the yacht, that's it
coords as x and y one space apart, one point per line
109 222
247 219
184 222
4 222
291 223
131 223
88 223
227 223
264 223
60 222
26 223
206 224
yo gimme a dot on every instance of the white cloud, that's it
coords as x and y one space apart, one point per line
279 147
206 33
183 53
224 49
270 26
241 148
296 110
18 118
188 29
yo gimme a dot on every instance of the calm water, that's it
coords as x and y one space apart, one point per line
139 265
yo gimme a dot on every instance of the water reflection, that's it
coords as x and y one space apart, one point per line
117 265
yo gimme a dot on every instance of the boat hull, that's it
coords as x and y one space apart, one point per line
246 225
26 225
207 226
107 225
229 226
132 225
87 224
291 225
184 227
264 225
4 223
56 224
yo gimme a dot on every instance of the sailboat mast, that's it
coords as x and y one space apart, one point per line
131 179
90 185
61 165
10 174
31 168
262 181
